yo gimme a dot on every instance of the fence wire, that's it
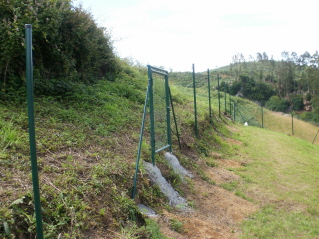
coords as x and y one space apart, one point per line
160 120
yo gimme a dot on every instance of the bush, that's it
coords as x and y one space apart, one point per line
68 47
234 88
223 86
277 104
315 104
308 97
310 117
297 102
251 89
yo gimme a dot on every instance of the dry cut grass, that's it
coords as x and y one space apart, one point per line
282 123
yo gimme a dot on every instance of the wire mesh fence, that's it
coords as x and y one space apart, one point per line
286 123
160 111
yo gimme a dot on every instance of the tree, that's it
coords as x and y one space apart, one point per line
277 104
252 90
259 56
68 46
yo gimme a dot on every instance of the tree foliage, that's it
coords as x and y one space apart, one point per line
251 89
68 47
277 104
297 102
293 75
290 74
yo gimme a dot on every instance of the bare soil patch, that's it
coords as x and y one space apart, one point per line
217 213
226 163
221 175
233 141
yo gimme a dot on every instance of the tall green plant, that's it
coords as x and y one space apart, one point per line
68 46
277 104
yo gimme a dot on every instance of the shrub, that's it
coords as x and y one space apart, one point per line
251 89
277 104
315 104
297 102
308 97
68 46
234 88
310 117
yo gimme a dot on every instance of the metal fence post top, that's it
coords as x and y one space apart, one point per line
157 70
28 26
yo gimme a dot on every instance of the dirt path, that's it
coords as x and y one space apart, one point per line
217 213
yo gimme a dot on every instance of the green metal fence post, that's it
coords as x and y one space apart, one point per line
292 122
225 97
168 114
140 142
209 98
195 106
175 121
234 111
218 95
315 137
262 116
229 99
33 150
152 121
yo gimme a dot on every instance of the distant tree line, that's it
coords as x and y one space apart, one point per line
292 73
68 47
248 88
292 78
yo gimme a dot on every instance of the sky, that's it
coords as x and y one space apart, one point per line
178 33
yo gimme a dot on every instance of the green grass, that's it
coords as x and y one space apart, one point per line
10 135
84 183
177 225
87 145
275 121
282 173
273 222
283 124
153 229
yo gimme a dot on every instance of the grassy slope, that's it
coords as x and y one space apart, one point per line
275 121
281 174
87 146
87 149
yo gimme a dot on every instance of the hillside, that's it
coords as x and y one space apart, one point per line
87 145
241 182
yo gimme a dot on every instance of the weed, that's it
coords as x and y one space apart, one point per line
242 195
129 232
204 177
205 194
177 225
10 135
232 186
212 164
192 204
153 229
